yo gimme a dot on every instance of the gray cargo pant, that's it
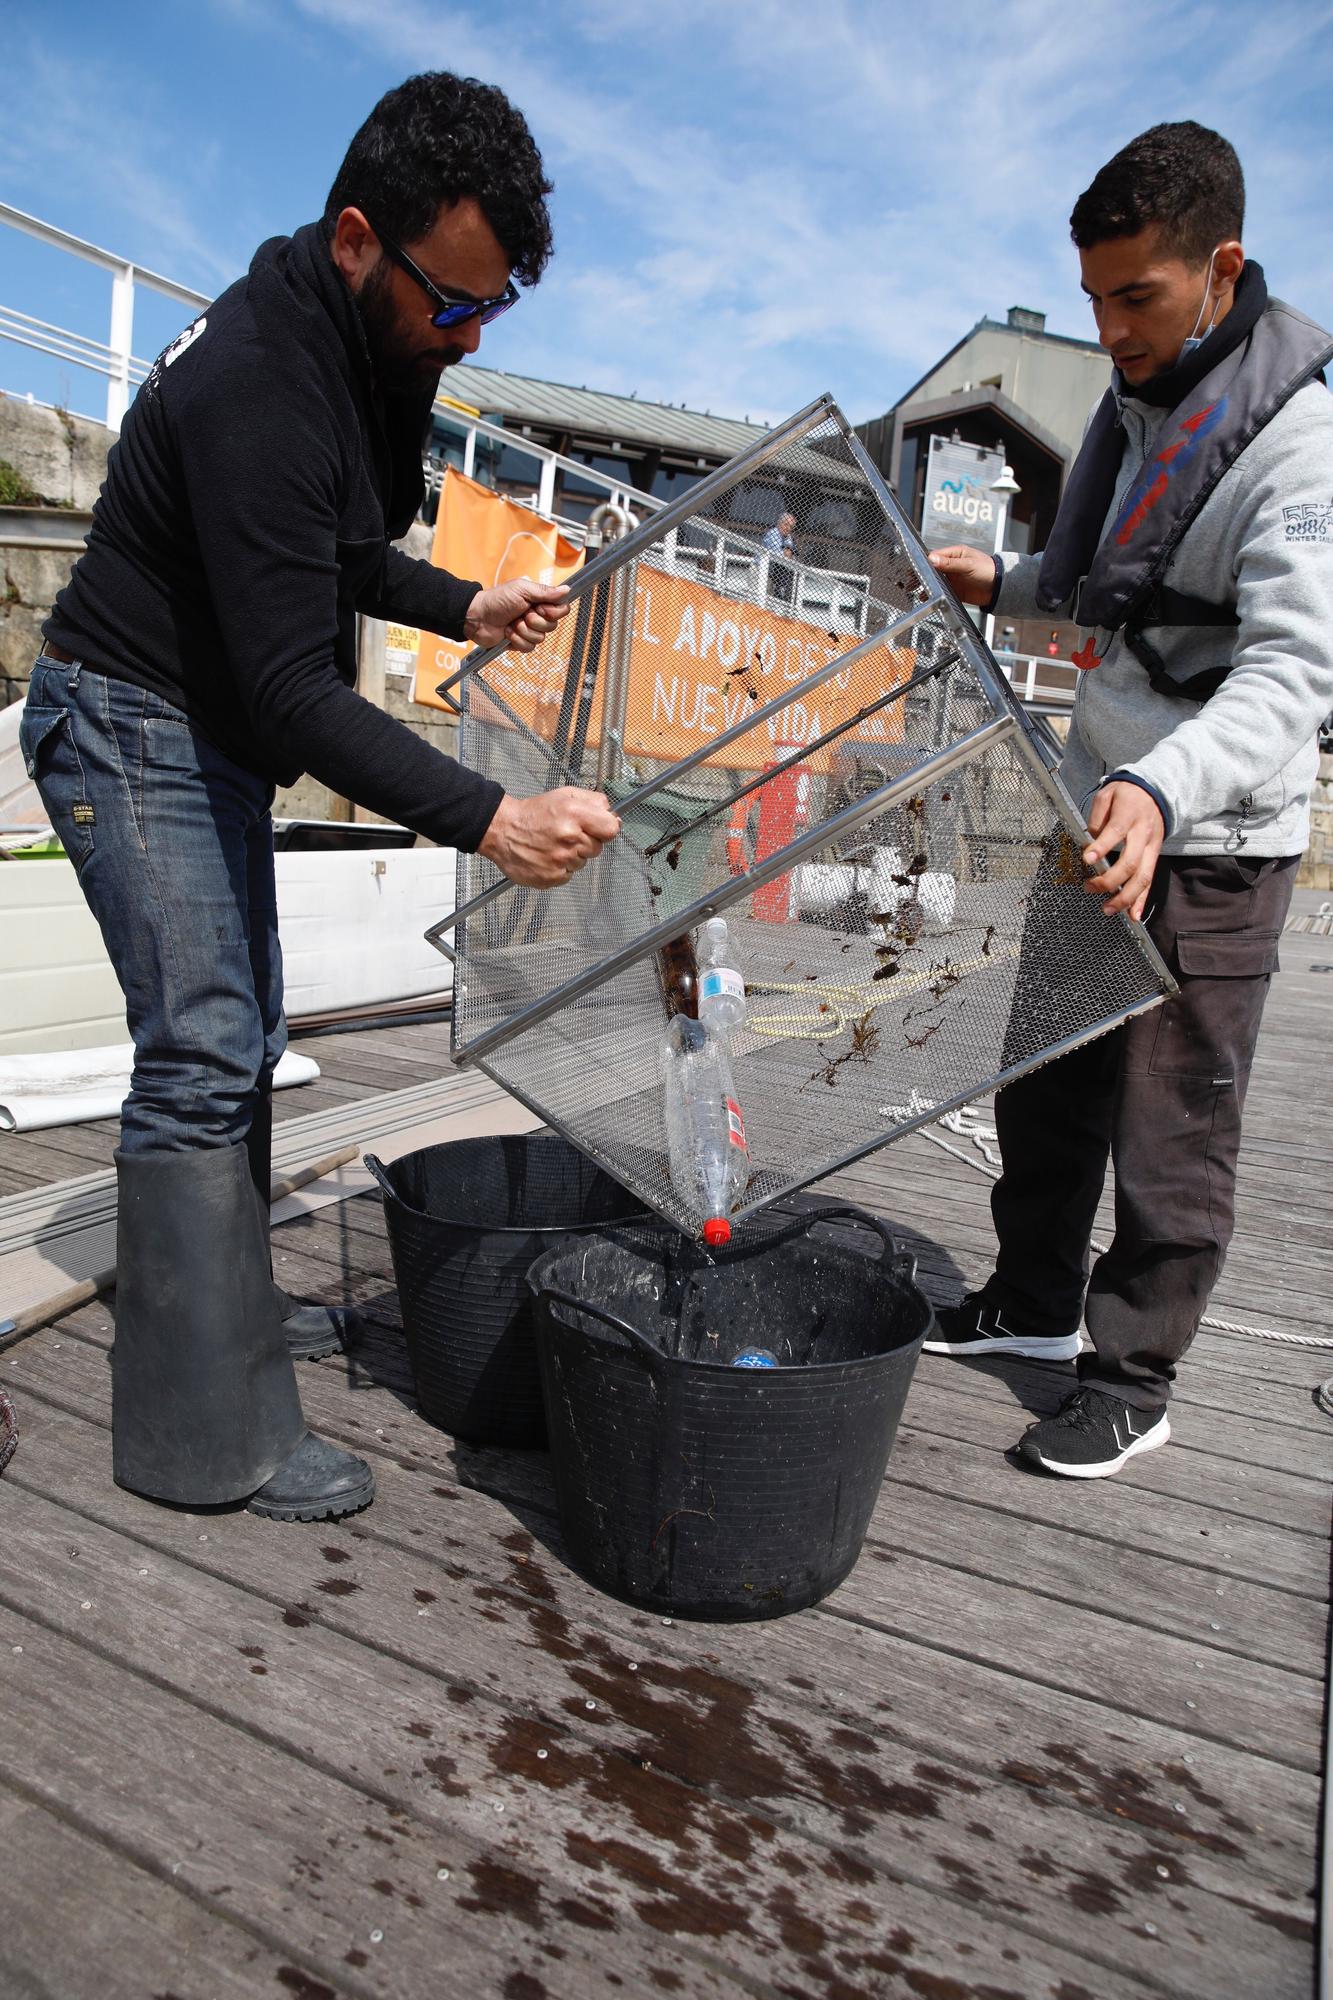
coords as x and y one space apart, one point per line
1162 1098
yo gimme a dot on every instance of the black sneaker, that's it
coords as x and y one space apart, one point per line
974 1326
1092 1434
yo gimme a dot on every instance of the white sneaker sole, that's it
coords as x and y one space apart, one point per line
1060 1346
1158 1435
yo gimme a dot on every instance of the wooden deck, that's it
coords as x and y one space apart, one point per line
1049 1739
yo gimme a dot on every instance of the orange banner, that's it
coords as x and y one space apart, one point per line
481 534
700 661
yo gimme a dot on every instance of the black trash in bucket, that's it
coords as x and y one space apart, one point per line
465 1221
691 1486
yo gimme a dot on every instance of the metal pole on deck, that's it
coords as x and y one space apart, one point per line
122 334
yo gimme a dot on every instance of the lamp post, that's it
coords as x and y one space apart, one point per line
1006 486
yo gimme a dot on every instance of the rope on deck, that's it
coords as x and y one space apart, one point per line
969 1124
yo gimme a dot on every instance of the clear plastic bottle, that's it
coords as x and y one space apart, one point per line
709 1159
721 988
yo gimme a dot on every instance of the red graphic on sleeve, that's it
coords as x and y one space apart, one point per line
1086 658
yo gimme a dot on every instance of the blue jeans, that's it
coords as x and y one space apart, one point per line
173 844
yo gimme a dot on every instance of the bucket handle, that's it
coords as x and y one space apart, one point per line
375 1168
800 1224
651 1354
901 1262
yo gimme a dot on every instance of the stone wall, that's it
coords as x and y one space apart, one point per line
62 458
57 462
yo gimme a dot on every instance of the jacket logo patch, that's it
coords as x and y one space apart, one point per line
1312 521
1153 481
184 340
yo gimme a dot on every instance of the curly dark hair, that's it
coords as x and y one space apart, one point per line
1182 176
437 139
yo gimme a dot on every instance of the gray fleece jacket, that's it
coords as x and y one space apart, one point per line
1234 772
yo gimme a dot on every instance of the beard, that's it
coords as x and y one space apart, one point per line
403 362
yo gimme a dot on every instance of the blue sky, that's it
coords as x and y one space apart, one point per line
755 201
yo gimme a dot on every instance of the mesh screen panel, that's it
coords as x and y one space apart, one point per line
817 744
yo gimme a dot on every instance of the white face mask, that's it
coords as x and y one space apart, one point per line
1197 339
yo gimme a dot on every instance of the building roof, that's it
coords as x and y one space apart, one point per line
1019 332
521 399
962 402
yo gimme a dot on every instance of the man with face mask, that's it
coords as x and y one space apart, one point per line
1194 543
204 651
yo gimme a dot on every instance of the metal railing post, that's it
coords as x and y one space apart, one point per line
122 334
470 453
546 487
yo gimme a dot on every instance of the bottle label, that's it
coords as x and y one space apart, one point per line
721 980
736 1125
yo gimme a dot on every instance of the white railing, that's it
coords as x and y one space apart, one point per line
549 463
114 357
1039 680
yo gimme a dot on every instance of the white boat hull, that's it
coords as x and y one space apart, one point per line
351 926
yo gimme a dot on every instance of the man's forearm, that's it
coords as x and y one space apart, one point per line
370 757
412 592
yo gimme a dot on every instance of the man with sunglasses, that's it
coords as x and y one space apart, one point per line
203 652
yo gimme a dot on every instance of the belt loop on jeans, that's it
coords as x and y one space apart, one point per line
64 659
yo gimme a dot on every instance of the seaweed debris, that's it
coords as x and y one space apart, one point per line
864 1041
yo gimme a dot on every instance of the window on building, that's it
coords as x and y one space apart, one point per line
619 469
834 518
670 481
756 505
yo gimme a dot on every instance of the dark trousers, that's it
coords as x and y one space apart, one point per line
1162 1098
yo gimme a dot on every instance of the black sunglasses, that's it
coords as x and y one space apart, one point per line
452 308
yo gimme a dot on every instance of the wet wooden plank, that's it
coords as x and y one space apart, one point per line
1222 1585
1259 1709
330 1864
826 1768
85 1921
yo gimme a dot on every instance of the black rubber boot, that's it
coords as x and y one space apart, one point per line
204 1402
311 1330
318 1483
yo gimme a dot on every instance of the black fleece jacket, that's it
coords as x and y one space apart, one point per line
246 518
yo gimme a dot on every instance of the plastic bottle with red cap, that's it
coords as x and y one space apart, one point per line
706 1149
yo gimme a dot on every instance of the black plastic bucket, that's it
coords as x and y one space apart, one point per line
691 1486
465 1221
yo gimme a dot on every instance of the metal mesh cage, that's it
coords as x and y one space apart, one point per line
823 751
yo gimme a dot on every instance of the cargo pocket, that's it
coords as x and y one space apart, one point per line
1209 1029
34 729
46 743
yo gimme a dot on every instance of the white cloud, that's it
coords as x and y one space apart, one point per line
756 202
791 199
